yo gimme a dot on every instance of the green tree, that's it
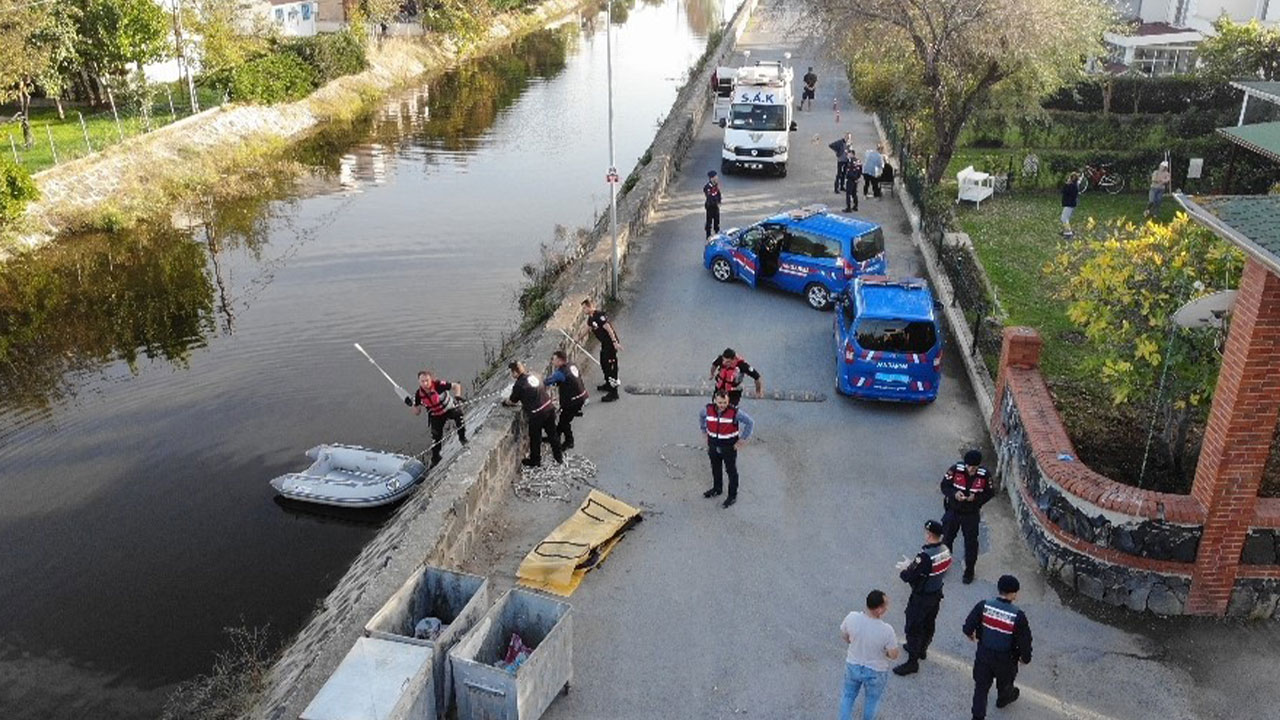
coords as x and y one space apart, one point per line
954 55
223 37
1123 282
16 190
35 38
114 34
1240 51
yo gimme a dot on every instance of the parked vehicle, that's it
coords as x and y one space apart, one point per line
807 250
888 340
758 120
1101 177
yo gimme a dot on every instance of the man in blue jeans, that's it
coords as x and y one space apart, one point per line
873 647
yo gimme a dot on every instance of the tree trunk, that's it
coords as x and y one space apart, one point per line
58 101
1106 96
24 105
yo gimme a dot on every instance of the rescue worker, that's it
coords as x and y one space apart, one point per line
437 396
1004 639
711 191
727 370
966 487
529 391
573 395
609 348
726 427
924 573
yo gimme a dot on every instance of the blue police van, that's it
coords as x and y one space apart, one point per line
888 340
808 251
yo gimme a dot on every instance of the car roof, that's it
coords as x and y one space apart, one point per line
825 223
899 298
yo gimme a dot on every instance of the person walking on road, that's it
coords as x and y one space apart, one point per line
1070 197
711 193
810 90
872 166
842 149
727 370
966 487
1003 636
852 173
437 396
1160 180
573 395
529 392
610 346
924 573
872 647
726 427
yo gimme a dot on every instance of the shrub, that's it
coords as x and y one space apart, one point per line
273 78
330 55
16 190
1176 94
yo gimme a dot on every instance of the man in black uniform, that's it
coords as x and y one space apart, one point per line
711 191
965 489
1004 639
924 574
727 370
810 89
529 391
573 394
437 396
609 347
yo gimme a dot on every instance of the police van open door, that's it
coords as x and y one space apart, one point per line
745 254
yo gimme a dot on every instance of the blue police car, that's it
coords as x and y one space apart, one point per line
808 251
888 340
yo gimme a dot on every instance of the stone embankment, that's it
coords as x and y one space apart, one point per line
441 526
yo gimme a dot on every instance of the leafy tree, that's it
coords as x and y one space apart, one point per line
953 56
1123 282
1240 51
16 190
116 33
223 37
34 39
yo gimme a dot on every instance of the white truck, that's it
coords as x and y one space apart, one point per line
759 118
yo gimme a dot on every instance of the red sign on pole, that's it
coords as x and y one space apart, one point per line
611 177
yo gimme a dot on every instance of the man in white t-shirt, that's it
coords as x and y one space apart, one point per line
873 647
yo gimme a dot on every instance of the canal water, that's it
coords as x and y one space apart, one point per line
152 382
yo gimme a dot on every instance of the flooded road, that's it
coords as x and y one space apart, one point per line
151 383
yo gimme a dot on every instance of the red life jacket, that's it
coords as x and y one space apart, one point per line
722 426
961 480
436 402
729 377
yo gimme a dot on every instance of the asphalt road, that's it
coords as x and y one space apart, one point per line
704 612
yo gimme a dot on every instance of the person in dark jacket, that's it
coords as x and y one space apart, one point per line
728 370
725 427
924 573
842 149
711 201
573 395
1003 635
529 392
610 346
1070 196
966 487
852 174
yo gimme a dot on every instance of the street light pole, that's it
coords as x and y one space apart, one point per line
613 184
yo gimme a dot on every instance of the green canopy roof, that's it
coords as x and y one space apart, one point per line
1251 222
1268 90
1261 138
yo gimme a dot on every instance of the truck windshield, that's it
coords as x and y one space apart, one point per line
869 246
897 336
758 117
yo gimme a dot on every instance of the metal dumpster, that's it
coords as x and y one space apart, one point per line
456 599
487 692
378 680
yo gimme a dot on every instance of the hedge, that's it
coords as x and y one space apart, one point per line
331 55
1177 94
273 78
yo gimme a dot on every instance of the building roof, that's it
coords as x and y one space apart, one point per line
1251 222
1268 90
1261 138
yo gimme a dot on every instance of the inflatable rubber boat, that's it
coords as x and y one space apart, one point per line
352 476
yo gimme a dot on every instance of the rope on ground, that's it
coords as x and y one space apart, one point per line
674 471
554 481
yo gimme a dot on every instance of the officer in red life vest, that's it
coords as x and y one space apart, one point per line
573 394
727 370
966 487
529 392
924 573
1004 639
437 396
726 427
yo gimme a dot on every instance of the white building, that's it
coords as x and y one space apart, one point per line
1163 38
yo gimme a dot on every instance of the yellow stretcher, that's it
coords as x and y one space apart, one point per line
578 545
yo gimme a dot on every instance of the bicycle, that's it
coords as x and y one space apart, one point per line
1102 177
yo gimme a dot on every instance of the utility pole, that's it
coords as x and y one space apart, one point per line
613 168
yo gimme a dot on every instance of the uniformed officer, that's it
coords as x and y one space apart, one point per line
529 391
573 394
711 193
727 370
437 396
609 347
726 427
966 487
1004 639
924 573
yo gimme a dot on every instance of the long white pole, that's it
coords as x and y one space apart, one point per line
613 186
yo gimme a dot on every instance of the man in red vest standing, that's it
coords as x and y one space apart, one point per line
437 396
726 427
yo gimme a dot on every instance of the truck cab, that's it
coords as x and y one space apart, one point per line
759 119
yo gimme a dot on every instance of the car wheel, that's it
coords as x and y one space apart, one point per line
782 170
721 270
818 297
726 167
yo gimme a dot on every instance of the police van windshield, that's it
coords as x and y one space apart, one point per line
898 336
869 246
758 117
